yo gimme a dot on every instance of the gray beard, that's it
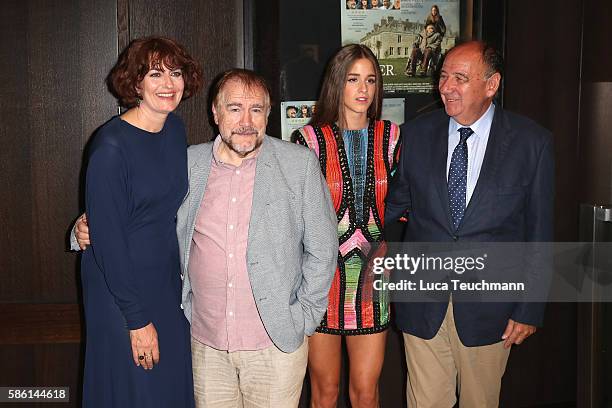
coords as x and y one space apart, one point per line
240 153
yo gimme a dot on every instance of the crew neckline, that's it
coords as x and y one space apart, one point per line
143 130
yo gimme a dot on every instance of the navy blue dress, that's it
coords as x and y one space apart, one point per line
136 181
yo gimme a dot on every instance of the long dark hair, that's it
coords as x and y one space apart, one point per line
437 16
330 106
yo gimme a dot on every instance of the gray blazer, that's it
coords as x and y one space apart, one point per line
292 245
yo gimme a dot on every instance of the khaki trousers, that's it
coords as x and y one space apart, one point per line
249 379
441 367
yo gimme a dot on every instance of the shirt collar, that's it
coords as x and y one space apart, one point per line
481 127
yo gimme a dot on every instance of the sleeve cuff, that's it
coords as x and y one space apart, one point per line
74 245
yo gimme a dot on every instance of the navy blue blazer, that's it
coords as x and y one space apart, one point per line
512 202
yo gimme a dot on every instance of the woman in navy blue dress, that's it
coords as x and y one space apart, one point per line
138 343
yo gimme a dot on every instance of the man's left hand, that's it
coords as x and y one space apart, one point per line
516 333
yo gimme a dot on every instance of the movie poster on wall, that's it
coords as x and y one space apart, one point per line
295 114
408 37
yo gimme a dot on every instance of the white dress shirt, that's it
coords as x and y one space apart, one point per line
476 145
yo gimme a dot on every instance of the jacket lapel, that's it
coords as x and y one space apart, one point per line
262 188
500 137
439 157
198 177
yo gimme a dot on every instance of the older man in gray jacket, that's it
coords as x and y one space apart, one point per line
258 238
258 244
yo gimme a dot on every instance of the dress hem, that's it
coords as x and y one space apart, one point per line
353 332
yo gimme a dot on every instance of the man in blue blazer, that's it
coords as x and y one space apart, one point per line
470 172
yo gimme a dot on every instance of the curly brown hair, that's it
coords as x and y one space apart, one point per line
144 54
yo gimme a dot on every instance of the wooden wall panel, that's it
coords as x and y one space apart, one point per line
595 172
43 365
16 210
40 323
596 142
542 82
211 32
543 54
58 97
266 56
597 32
596 99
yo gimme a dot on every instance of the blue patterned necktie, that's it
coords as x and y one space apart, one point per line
457 177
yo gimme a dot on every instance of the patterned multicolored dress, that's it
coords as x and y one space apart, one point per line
357 165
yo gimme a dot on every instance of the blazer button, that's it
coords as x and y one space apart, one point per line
182 307
455 238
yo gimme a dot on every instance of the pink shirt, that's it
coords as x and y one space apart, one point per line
225 316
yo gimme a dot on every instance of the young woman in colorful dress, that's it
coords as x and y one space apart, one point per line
358 153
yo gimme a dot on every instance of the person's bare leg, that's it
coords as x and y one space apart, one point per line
366 356
324 362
